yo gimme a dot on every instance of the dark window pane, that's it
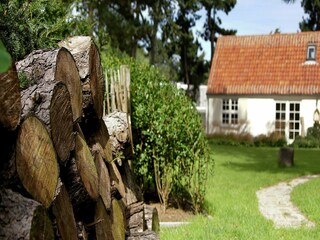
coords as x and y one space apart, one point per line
278 106
291 135
296 126
291 125
283 116
297 117
291 106
283 125
283 106
291 116
277 116
297 107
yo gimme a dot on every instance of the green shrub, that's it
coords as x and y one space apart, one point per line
171 151
312 140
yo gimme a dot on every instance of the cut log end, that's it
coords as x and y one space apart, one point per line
36 161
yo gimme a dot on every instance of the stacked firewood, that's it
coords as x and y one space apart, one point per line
59 176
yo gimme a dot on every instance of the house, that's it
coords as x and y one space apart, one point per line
264 84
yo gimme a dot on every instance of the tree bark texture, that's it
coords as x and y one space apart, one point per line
10 104
36 161
116 180
88 61
50 102
135 218
47 66
118 220
22 218
63 212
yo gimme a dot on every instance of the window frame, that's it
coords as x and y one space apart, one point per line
230 112
314 47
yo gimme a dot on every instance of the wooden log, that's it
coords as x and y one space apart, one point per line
152 218
36 161
286 157
103 221
103 176
81 178
116 180
133 192
10 103
50 102
135 218
118 220
117 125
22 218
87 58
146 235
47 66
63 212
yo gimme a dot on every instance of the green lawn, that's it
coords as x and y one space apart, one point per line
231 195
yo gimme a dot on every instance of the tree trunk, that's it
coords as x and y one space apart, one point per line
116 180
135 218
118 221
104 179
36 161
63 212
152 218
87 57
50 102
103 222
47 66
10 104
22 218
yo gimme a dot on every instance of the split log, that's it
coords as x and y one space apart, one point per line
63 212
36 161
50 102
103 221
47 66
146 235
87 58
103 177
118 220
117 124
135 218
82 177
22 218
152 218
10 104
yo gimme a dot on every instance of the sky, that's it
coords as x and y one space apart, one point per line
254 17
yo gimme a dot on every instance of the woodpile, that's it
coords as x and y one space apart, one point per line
65 169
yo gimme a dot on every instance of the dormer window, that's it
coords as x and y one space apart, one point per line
311 52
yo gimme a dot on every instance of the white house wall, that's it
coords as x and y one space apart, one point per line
256 115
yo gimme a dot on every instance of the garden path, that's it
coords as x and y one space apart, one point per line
275 204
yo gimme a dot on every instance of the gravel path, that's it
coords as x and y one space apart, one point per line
275 204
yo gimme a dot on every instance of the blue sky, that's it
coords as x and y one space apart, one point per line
252 17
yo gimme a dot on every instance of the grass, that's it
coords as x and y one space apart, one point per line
231 195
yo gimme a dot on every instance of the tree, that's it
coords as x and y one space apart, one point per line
312 9
212 26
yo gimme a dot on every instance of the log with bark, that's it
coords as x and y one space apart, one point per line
64 217
88 61
103 221
118 220
36 161
81 178
117 185
22 218
50 102
152 218
10 104
47 66
135 218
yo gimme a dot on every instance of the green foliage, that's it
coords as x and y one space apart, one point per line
170 146
29 25
5 58
312 140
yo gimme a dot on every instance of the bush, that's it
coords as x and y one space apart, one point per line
312 140
171 151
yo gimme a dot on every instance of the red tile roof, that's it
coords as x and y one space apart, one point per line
265 64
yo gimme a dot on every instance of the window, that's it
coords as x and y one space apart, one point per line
229 111
294 120
280 118
288 119
311 52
